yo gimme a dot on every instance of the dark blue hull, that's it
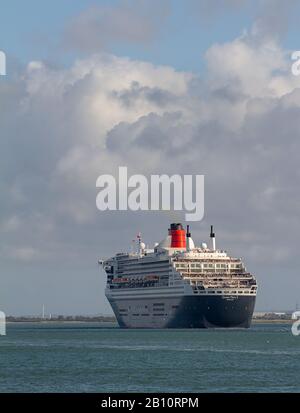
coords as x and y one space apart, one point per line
213 311
197 311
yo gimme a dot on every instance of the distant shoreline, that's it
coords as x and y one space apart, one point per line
111 320
61 319
271 321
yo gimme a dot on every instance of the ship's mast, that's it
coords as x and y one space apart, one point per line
189 242
212 236
141 246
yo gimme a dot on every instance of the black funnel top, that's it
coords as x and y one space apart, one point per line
176 226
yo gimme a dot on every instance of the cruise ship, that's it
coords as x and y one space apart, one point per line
179 285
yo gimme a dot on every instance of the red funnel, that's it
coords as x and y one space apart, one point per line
178 237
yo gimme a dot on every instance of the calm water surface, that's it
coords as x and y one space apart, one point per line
90 357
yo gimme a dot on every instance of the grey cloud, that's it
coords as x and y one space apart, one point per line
271 17
212 8
274 18
230 93
151 132
130 21
210 12
136 92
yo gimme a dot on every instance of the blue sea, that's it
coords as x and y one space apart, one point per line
93 357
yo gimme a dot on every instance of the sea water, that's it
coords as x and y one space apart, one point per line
92 357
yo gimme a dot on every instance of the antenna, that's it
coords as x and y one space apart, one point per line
212 236
188 234
141 244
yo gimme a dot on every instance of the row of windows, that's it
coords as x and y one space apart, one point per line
181 265
224 292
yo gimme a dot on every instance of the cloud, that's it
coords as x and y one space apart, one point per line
55 134
61 128
271 18
131 21
274 18
210 9
255 69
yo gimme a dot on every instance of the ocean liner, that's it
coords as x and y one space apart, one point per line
179 285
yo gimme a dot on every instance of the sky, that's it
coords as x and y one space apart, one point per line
185 87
